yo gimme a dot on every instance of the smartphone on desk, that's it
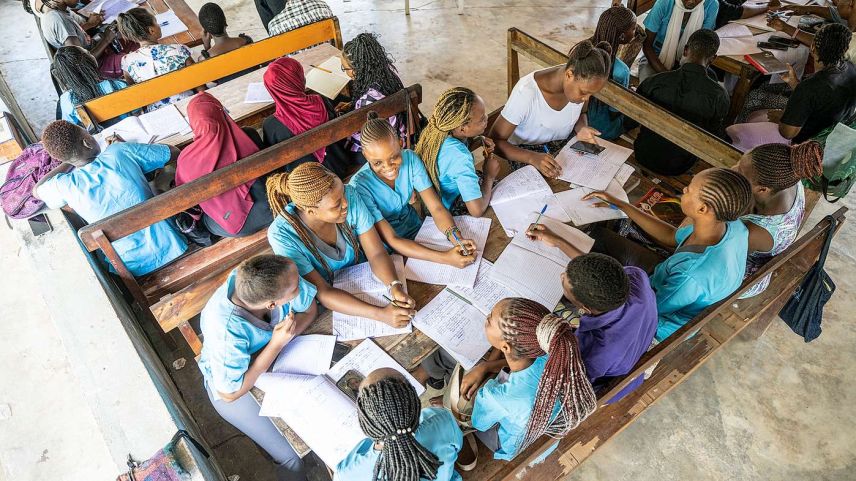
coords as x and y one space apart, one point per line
350 384
39 224
587 148
772 46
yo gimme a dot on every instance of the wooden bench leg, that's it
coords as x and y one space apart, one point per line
741 90
407 7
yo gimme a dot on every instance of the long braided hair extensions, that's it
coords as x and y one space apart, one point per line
611 25
135 23
389 411
532 331
781 166
305 186
77 69
727 192
373 67
451 111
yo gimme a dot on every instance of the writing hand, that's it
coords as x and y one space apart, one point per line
547 165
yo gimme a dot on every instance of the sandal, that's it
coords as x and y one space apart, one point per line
468 457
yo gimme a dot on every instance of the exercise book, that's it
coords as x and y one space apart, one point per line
520 194
473 228
328 79
592 170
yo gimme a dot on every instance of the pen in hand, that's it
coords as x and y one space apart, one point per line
464 250
396 303
543 209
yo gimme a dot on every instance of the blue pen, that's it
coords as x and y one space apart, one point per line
464 250
543 209
546 150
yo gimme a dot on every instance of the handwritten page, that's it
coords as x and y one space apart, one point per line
170 24
328 79
129 128
164 122
487 292
520 183
309 355
575 237
368 357
733 30
109 8
429 235
531 275
456 325
584 212
588 170
360 281
257 94
516 216
624 174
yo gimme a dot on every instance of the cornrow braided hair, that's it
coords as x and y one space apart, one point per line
376 129
75 68
780 166
135 23
588 60
727 192
831 43
389 411
451 111
532 331
373 67
305 186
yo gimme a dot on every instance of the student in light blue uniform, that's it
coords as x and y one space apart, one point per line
403 442
690 15
261 307
386 184
98 184
323 226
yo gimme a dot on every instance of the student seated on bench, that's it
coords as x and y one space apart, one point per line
262 306
295 14
98 184
386 183
404 442
546 108
77 70
216 40
323 226
775 171
668 27
710 251
459 118
219 142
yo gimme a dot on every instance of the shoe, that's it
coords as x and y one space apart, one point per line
438 384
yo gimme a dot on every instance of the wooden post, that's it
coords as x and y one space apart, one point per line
513 61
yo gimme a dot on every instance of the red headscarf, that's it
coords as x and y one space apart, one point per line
217 143
296 110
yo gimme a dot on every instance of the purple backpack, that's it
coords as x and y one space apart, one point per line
16 194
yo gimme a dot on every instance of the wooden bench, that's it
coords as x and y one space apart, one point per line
142 94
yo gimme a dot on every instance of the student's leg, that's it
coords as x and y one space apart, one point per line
624 250
268 9
243 413
439 365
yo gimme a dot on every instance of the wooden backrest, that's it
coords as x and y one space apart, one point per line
142 94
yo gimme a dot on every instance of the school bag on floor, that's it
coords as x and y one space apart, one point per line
16 193
839 160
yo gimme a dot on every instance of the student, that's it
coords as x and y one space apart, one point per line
668 27
374 77
710 251
98 184
386 184
152 58
216 40
775 170
323 226
219 142
547 391
689 92
842 13
458 118
628 51
616 26
295 14
77 70
546 107
404 442
260 308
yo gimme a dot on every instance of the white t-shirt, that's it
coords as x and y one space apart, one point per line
536 121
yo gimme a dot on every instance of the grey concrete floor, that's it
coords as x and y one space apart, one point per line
773 409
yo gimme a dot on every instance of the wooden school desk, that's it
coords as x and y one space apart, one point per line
193 36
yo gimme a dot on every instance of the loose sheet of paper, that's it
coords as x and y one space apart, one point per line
733 30
309 355
575 237
531 275
257 94
739 46
516 215
164 122
429 235
170 24
367 357
109 8
329 79
594 171
456 325
520 183
487 292
584 212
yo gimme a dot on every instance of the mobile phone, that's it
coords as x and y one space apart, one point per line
350 383
772 46
39 224
340 350
784 41
587 147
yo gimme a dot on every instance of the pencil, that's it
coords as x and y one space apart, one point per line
320 68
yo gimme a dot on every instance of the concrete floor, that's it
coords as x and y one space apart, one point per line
775 409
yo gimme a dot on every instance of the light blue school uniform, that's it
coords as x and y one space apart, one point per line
113 182
456 171
601 116
659 15
232 334
394 204
286 242
67 101
694 278
437 431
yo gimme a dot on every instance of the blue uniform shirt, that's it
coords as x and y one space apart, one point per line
689 281
600 115
67 101
113 182
394 204
438 432
232 334
658 17
286 242
457 172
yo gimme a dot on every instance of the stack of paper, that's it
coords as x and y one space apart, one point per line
170 24
584 212
589 170
518 195
473 228
327 79
360 281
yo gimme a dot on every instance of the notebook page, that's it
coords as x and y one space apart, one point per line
170 24
360 278
456 325
520 183
486 292
367 357
257 94
474 228
574 236
360 281
164 122
588 170
330 82
582 212
309 355
733 30
129 128
531 275
516 215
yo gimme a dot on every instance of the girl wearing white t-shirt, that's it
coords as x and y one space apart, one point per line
549 105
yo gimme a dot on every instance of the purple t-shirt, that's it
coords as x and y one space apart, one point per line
612 343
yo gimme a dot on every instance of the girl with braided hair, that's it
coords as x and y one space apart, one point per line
775 171
323 226
77 70
547 107
404 442
459 118
386 183
547 392
710 251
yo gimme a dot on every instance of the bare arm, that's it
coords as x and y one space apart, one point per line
650 53
494 363
410 248
344 302
501 131
542 233
661 231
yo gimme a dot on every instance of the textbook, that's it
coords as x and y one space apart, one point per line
473 228
766 63
328 79
520 194
147 128
662 205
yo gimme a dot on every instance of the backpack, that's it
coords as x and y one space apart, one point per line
839 160
16 193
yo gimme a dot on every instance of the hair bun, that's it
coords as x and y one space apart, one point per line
605 46
807 159
372 115
584 49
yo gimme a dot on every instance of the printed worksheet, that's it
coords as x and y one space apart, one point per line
367 357
429 235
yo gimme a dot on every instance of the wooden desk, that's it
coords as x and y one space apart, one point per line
193 36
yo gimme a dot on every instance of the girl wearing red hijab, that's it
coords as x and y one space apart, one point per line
217 143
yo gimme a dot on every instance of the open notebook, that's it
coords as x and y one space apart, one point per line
147 128
519 195
473 228
327 79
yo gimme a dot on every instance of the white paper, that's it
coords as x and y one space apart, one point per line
109 8
130 129
520 183
473 228
733 30
624 174
487 292
329 81
170 24
584 212
165 122
738 47
368 357
456 325
533 276
594 171
309 355
575 237
257 94
517 214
